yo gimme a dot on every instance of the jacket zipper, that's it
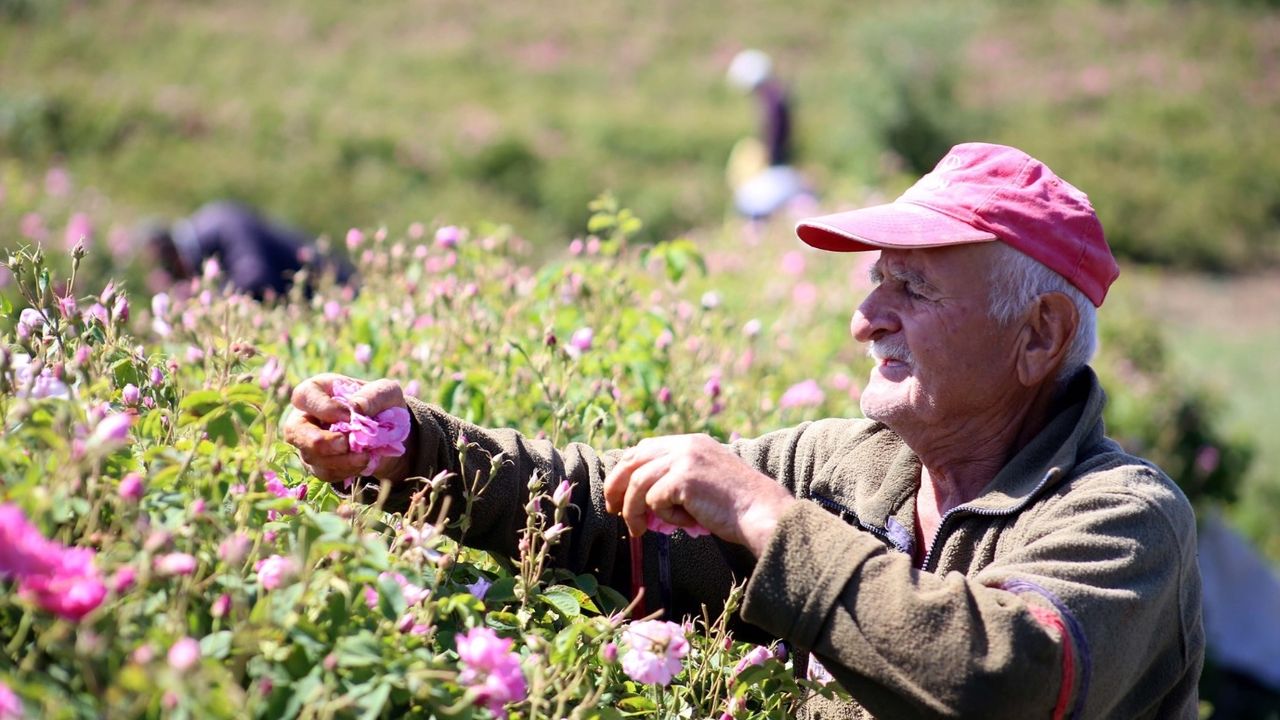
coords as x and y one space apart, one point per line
879 532
942 524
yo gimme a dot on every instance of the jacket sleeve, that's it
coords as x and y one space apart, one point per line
686 572
1066 625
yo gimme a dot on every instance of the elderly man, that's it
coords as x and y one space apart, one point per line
975 548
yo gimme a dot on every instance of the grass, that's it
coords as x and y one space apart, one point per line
331 114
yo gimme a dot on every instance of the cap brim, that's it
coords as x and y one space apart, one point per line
894 225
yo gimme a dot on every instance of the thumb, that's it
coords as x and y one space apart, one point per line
377 396
314 397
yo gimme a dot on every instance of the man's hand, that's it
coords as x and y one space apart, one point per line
326 452
688 479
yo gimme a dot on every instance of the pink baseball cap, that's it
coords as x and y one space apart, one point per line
979 193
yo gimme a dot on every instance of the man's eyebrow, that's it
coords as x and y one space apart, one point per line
903 275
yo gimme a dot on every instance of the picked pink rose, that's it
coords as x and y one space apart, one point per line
380 436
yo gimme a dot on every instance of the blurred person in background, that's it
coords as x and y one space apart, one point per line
257 256
760 171
975 547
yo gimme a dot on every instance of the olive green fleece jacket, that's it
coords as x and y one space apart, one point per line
1067 588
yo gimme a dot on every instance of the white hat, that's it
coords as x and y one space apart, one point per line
748 69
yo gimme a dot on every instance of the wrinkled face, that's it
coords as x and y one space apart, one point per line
940 360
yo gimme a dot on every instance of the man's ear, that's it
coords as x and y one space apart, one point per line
1047 332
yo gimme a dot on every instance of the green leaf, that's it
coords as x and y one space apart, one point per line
587 583
502 590
201 402
216 645
583 600
373 701
637 703
246 393
391 600
563 602
220 426
359 650
502 620
612 600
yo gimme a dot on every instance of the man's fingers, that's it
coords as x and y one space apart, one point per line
379 395
311 439
666 499
616 482
634 505
337 469
314 396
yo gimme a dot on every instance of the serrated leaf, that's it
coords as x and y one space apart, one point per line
563 602
583 600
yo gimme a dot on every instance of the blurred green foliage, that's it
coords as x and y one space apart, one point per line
329 114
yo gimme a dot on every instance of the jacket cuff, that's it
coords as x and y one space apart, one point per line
803 571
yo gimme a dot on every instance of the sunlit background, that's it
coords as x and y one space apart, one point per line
330 115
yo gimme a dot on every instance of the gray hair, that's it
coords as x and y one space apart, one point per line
1017 279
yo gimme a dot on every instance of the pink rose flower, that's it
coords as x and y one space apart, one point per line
67 307
275 571
756 656
655 651
72 590
234 548
60 580
111 430
802 394
380 436
712 386
124 579
582 339
177 563
793 263
184 653
448 236
364 354
10 705
220 606
490 669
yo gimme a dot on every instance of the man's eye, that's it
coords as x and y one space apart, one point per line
911 293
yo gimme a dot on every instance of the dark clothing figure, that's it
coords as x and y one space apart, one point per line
258 257
775 121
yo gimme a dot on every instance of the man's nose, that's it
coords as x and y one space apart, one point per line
871 321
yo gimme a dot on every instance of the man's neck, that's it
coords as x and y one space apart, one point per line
956 467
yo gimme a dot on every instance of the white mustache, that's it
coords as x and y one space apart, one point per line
890 349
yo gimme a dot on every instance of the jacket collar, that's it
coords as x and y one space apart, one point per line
1043 463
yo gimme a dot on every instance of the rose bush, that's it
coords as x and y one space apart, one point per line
200 572
163 553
